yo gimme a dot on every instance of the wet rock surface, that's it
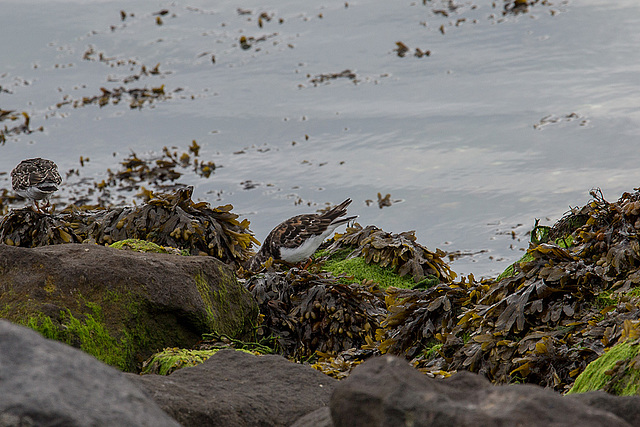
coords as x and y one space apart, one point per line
45 382
386 391
233 388
119 305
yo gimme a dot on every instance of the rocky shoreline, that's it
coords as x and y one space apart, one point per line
376 331
48 383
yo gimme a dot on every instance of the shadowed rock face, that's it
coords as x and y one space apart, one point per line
386 391
132 303
48 383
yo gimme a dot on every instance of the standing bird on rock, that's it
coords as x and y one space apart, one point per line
297 238
36 179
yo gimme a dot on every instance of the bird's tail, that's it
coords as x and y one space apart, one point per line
338 210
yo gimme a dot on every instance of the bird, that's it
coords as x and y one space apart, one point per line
297 238
36 179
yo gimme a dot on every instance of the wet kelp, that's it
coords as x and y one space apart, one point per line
560 310
336 322
168 220
307 312
573 296
560 307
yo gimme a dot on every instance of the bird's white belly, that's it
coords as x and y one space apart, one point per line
304 251
34 193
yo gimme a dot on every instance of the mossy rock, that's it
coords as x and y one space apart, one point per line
616 372
146 246
172 359
122 306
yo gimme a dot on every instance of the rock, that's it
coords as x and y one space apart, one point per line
387 391
318 418
626 407
233 388
44 382
122 306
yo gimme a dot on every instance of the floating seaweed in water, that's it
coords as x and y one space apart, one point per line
169 220
18 129
160 173
324 78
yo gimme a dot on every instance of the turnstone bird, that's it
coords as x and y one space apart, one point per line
36 179
297 238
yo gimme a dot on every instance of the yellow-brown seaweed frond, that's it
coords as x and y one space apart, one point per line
309 312
167 219
398 251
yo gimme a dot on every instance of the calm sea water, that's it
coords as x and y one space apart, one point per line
511 116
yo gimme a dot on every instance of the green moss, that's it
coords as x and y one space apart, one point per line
44 325
595 375
87 328
605 299
146 246
96 340
511 270
171 359
89 333
219 304
360 270
204 289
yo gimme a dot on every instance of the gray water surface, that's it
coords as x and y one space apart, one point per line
511 117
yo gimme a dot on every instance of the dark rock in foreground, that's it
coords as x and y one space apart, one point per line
43 382
386 391
233 388
121 306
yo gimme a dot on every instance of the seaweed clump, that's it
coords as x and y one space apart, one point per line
168 220
400 252
565 303
560 309
305 312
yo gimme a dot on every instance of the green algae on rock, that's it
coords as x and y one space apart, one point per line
616 372
121 306
171 359
145 246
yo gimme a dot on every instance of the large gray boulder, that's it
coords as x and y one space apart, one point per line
122 306
233 388
46 383
386 391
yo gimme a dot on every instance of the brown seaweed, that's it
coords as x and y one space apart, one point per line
308 312
168 219
398 251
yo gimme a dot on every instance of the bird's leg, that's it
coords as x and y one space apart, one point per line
308 263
